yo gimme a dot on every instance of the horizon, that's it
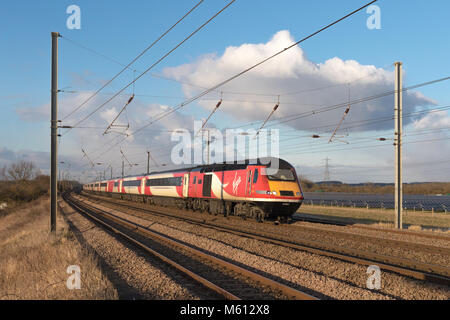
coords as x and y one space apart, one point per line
341 66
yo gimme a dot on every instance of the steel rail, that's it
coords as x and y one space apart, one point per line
167 260
390 242
406 232
354 226
284 289
415 269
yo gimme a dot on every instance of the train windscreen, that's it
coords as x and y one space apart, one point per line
282 175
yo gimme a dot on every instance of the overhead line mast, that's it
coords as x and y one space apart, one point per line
54 134
398 146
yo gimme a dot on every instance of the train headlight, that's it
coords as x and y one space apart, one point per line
298 193
274 193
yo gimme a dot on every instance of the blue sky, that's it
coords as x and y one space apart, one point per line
415 33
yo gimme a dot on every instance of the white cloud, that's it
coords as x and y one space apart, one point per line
439 119
292 71
90 137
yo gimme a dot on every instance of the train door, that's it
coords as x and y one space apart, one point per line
192 184
248 183
207 179
186 185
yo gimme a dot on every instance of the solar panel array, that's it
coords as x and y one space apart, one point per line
410 202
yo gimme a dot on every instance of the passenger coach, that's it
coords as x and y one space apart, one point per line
231 189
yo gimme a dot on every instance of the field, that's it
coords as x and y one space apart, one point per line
383 217
33 262
426 188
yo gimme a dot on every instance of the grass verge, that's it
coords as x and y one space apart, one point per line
383 217
33 262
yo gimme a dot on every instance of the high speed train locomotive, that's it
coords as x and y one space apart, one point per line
246 190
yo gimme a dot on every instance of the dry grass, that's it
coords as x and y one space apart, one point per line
33 262
381 217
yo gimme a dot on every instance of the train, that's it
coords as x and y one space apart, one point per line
250 189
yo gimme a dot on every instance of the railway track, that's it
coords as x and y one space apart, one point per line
227 279
320 220
411 268
407 232
358 226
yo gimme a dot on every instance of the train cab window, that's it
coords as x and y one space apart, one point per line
282 175
255 177
195 180
199 181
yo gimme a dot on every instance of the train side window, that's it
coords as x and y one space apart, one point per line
199 181
255 178
195 180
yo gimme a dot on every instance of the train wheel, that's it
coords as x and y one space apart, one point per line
236 210
228 209
260 216
254 212
206 207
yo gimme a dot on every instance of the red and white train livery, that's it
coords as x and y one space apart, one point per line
230 189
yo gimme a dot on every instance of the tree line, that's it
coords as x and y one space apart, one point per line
22 182
428 188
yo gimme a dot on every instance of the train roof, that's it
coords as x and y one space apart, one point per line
235 165
240 164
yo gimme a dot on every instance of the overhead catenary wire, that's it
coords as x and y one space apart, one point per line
87 157
357 101
343 117
256 65
363 147
309 113
370 146
202 99
366 122
118 115
129 163
188 101
359 123
133 61
335 85
155 63
267 119
210 115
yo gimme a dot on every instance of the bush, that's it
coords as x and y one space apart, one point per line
24 191
413 188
